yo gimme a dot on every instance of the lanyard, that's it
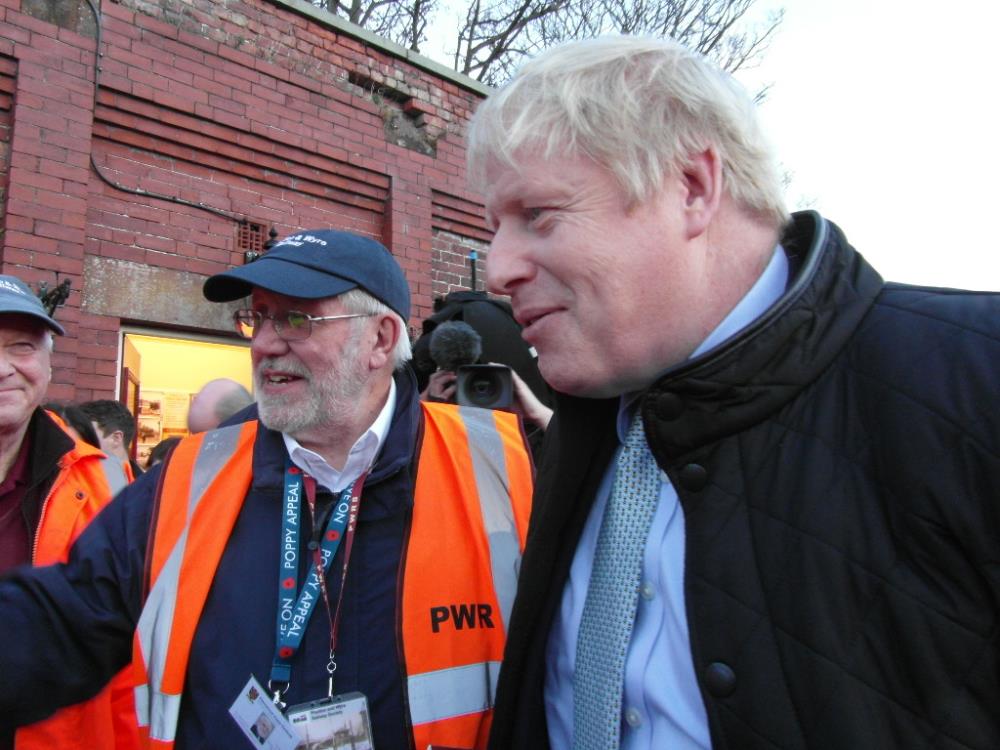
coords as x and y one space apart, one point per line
295 606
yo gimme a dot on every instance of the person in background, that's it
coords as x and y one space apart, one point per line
216 402
115 427
351 544
536 415
766 514
52 485
495 339
159 451
75 422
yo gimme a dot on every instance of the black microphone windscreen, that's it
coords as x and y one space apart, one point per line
454 344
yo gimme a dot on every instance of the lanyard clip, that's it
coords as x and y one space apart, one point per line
277 693
331 667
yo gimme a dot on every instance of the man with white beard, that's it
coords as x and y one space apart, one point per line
353 552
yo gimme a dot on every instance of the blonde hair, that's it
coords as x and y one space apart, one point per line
638 106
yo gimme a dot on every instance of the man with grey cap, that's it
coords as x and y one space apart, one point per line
349 552
51 487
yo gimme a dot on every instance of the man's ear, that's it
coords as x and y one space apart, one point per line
118 437
701 180
386 335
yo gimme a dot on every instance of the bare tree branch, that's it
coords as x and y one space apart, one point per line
495 36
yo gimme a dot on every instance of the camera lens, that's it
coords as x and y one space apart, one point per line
483 390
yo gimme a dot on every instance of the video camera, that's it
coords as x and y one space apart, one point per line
456 346
486 386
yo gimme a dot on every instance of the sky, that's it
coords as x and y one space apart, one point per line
884 113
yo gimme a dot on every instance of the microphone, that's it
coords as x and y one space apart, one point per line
454 344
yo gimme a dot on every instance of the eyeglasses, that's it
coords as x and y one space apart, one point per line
290 326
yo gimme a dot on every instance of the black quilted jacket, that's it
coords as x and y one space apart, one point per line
839 469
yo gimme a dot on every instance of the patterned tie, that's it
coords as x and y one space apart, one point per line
609 610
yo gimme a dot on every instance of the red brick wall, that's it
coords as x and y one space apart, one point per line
251 109
459 231
8 77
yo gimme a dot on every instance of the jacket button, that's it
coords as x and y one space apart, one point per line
720 679
80 495
668 406
693 477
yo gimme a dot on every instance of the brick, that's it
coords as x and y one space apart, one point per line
24 179
15 223
35 117
130 58
29 209
58 231
62 387
69 142
13 36
115 27
123 252
44 49
97 351
149 24
86 380
38 27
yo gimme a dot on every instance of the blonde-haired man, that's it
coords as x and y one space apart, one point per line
766 514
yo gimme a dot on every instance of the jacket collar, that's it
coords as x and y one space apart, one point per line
755 373
49 443
760 369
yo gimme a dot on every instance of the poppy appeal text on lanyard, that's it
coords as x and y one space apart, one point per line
294 610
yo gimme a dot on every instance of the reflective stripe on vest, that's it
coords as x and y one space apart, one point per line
486 449
114 473
452 692
470 516
162 648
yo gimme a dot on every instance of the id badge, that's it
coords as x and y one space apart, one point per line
339 721
261 721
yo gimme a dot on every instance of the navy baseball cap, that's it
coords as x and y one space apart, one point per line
17 297
316 264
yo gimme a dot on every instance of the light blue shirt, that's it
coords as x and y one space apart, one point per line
661 702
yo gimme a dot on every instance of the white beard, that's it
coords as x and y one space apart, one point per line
332 399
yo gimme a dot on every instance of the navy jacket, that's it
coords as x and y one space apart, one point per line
67 629
838 463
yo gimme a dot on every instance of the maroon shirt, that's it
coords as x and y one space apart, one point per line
15 539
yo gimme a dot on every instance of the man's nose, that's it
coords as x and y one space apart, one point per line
266 341
507 263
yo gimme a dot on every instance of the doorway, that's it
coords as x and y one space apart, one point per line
161 372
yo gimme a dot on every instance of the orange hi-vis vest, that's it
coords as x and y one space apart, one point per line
472 500
81 489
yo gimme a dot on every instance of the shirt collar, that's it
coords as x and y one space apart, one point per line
359 459
768 288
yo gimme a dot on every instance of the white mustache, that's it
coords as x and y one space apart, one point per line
289 367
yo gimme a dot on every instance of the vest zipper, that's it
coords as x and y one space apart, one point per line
41 514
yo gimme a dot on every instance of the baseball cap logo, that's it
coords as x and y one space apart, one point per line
9 287
298 240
